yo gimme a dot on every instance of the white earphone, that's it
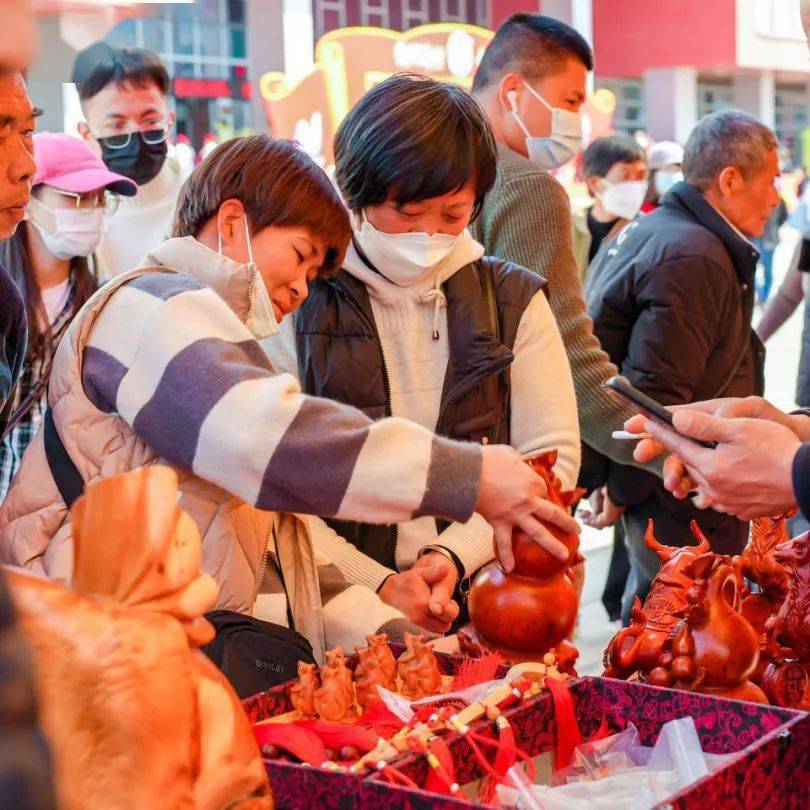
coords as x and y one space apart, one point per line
512 98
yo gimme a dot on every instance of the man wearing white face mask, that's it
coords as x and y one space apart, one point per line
615 171
51 259
535 63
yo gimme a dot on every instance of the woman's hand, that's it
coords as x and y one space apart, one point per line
511 494
425 593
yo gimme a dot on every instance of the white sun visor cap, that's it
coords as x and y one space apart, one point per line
664 153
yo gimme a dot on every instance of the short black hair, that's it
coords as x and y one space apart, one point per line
277 183
605 152
101 65
412 138
532 45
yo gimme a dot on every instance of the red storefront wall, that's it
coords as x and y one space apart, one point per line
631 36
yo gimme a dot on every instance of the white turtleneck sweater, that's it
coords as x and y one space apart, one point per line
141 222
543 405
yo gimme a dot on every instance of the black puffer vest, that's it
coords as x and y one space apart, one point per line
340 357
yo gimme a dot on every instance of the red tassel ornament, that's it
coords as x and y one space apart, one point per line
473 671
380 719
568 734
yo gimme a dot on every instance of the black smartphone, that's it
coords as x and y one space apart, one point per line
647 405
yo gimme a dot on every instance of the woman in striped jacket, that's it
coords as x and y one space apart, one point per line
163 365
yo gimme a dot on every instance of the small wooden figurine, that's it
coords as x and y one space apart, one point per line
333 700
368 674
418 669
302 693
385 658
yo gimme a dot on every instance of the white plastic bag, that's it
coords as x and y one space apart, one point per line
619 772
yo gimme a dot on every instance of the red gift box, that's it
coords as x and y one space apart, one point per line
296 785
773 746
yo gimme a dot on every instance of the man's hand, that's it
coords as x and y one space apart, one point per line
748 474
729 408
511 494
417 592
603 512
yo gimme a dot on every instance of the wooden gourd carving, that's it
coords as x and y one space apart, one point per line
532 609
134 714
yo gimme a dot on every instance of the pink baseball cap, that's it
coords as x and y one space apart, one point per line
69 164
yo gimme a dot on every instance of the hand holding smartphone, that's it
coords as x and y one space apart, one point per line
647 406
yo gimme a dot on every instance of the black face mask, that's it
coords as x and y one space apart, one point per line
138 160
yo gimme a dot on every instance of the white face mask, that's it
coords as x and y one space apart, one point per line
624 199
664 181
70 231
405 258
261 318
562 144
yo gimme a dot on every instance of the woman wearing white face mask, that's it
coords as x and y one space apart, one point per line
51 259
615 171
420 324
665 160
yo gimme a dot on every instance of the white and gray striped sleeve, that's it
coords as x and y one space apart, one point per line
170 357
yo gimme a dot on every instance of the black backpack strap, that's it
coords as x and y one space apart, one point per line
290 619
68 479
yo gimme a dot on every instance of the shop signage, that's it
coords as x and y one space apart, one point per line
350 61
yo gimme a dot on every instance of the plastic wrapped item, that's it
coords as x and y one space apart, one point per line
618 771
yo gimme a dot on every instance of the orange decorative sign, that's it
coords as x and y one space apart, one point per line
350 61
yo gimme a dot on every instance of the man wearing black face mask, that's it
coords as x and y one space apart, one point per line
124 97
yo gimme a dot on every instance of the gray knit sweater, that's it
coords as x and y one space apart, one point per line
526 219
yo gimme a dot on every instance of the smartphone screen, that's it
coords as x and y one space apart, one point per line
646 405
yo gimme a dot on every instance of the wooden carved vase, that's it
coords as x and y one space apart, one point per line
532 609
